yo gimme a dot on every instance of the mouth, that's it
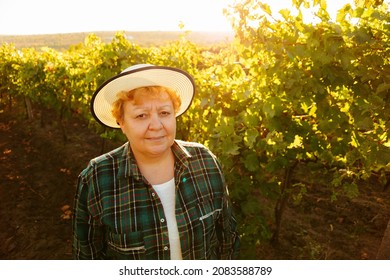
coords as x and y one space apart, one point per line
159 138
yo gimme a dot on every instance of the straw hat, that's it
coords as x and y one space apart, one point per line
140 75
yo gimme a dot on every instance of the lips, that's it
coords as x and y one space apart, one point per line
157 138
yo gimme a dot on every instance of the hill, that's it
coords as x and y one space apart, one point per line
63 41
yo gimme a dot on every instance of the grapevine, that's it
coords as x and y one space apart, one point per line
287 100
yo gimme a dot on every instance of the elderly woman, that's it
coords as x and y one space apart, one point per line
154 197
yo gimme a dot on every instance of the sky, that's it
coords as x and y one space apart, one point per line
24 17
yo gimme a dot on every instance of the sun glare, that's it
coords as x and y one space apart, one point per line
46 17
43 17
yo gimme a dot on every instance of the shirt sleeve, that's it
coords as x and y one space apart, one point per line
227 231
226 226
88 233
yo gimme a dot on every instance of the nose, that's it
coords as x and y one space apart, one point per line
155 122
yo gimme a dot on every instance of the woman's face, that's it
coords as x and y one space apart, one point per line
150 125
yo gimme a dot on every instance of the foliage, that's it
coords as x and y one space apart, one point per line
320 92
289 106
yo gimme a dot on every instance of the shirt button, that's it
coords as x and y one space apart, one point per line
165 248
162 220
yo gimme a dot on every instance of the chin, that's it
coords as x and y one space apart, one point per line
157 152
160 148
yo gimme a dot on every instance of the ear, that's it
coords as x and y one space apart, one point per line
121 125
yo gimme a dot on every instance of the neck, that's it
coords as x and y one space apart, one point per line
156 169
151 159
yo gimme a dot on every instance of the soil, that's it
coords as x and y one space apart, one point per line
39 169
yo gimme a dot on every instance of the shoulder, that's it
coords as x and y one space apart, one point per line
199 155
106 161
203 168
194 148
112 155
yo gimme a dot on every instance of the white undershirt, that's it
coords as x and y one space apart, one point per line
167 193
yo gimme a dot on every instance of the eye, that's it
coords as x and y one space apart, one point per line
165 113
141 116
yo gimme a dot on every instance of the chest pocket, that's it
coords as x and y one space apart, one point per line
208 214
130 246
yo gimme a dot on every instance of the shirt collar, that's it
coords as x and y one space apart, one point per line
181 153
128 165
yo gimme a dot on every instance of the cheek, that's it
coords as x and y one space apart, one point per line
171 127
131 131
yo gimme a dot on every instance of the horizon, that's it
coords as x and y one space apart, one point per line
118 31
63 41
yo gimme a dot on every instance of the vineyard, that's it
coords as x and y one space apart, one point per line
297 113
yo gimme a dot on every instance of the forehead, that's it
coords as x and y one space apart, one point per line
143 96
159 99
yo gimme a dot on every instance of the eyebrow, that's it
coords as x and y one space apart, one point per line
140 107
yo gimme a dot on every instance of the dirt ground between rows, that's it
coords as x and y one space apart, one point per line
38 172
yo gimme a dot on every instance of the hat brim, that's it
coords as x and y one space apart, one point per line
173 78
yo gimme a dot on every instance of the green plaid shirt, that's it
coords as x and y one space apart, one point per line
118 215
